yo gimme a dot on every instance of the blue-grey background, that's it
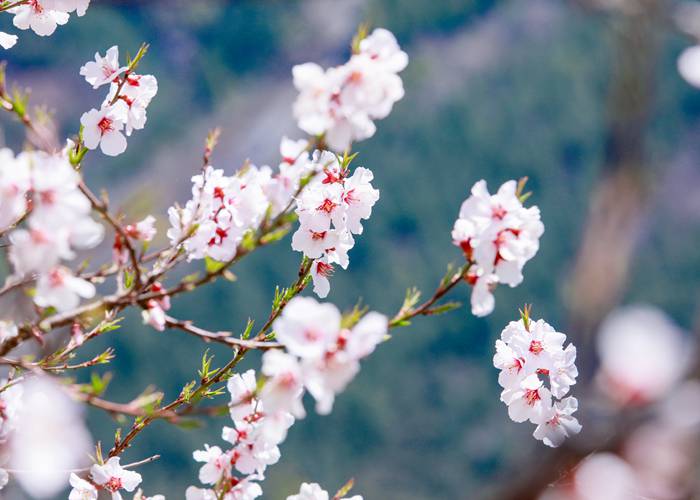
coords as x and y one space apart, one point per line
494 90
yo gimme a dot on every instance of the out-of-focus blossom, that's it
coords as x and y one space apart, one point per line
8 330
643 354
59 288
49 439
689 65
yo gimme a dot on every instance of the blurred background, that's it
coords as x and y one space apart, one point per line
583 98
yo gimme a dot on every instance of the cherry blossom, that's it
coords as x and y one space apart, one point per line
643 354
81 489
216 464
113 477
134 97
313 491
103 128
140 496
103 70
59 288
342 102
49 438
328 354
330 211
498 235
530 353
14 186
39 16
223 208
558 423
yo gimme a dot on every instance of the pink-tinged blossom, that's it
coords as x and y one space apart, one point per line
113 477
329 354
330 210
222 209
497 235
217 464
59 288
14 186
134 97
285 384
528 355
103 70
81 489
103 128
558 423
342 102
144 230
49 439
242 387
528 401
39 16
307 328
154 315
643 354
313 491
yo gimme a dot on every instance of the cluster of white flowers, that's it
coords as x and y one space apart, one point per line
313 491
59 221
221 211
342 102
322 357
498 235
331 209
254 440
42 17
529 353
124 108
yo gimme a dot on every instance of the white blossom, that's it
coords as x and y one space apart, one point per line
113 477
103 128
103 70
498 235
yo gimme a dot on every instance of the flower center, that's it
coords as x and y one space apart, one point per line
113 484
536 347
105 125
531 396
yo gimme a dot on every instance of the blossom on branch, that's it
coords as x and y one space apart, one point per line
498 235
530 353
341 103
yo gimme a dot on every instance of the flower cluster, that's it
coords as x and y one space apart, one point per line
528 354
322 357
47 187
342 102
313 491
110 476
124 108
331 209
254 440
498 235
222 209
41 16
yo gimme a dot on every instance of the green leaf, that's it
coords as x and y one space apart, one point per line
213 266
